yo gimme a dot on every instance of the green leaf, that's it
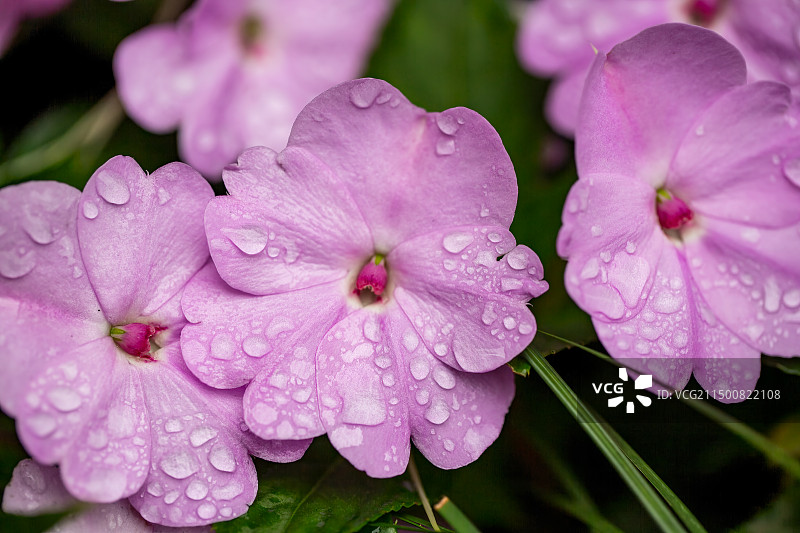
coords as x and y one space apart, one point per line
608 443
520 366
322 492
789 366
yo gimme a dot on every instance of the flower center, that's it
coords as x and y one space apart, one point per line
704 12
371 280
251 31
136 339
673 213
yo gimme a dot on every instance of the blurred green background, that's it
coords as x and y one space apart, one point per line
440 54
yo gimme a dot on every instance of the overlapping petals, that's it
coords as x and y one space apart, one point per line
367 176
234 74
557 39
723 287
74 267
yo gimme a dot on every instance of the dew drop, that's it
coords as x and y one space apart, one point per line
525 328
363 94
445 146
200 436
517 259
206 510
221 458
13 266
772 296
596 231
90 210
410 340
41 424
489 316
440 349
155 489
163 196
495 237
456 242
449 264
422 396
64 399
250 241
791 298
630 247
700 130
444 377
229 491
112 188
222 347
388 380
447 124
437 413
171 497
791 169
173 425
449 445
37 229
255 346
509 322
180 465
419 368
196 490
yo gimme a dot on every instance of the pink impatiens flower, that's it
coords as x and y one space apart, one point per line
90 288
37 489
363 296
556 39
235 73
683 230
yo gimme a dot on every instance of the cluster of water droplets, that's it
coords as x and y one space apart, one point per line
196 477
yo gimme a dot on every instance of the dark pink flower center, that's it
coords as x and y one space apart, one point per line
251 32
371 280
704 12
673 212
135 339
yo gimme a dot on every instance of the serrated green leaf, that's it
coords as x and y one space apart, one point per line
318 493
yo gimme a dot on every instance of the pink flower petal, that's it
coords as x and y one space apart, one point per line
363 388
750 278
467 306
612 252
111 458
200 471
454 416
290 224
132 266
38 251
656 341
35 489
642 97
62 399
737 160
378 143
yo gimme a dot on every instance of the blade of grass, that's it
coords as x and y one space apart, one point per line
457 519
598 432
758 441
591 518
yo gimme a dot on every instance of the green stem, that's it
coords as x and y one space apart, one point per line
597 430
417 481
591 518
457 519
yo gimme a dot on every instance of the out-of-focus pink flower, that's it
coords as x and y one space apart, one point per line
683 230
371 287
79 272
36 489
557 37
235 73
12 12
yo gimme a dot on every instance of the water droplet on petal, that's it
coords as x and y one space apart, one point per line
171 497
221 458
440 349
37 228
250 241
525 328
455 242
419 368
596 231
437 413
255 346
791 169
444 377
90 210
196 490
445 146
449 445
163 196
630 247
200 436
447 124
206 511
64 399
772 296
13 265
112 188
495 237
410 340
792 298
509 322
388 380
363 94
222 347
180 465
41 424
517 259
173 425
